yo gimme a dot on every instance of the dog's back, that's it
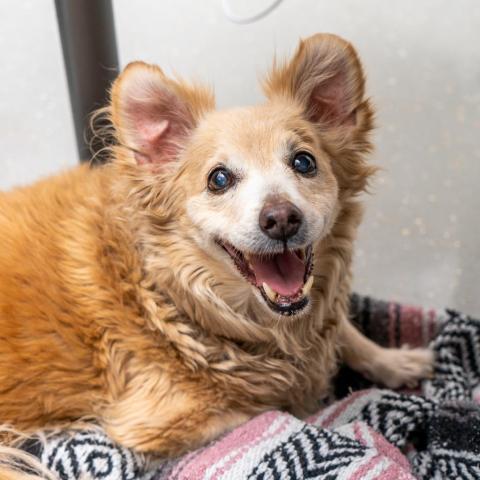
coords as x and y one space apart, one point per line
47 237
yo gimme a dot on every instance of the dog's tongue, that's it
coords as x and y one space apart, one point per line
284 272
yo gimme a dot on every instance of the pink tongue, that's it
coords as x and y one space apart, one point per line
283 272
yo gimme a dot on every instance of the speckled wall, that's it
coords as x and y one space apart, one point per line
420 241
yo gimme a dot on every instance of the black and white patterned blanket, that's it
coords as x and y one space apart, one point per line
370 433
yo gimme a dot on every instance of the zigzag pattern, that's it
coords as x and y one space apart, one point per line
90 455
310 453
442 417
446 464
457 369
397 417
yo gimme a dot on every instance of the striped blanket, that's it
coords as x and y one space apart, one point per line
366 433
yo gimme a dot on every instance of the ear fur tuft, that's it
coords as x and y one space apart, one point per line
154 115
324 76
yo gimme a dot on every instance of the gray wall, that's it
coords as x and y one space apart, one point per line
420 241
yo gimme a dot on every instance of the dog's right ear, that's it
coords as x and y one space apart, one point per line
154 115
324 77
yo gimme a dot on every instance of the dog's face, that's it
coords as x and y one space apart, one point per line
259 183
261 197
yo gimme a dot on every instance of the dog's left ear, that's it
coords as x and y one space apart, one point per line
325 77
154 115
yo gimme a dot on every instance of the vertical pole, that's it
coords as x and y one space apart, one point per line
87 33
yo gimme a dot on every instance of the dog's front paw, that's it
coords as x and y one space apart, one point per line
397 367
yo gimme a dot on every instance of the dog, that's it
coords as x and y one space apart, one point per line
202 276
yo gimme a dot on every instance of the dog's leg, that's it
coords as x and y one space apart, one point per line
171 437
392 367
157 415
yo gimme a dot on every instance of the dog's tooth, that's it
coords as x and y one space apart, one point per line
308 286
269 292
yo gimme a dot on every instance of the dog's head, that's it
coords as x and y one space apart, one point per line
260 186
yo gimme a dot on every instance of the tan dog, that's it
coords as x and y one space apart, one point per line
203 275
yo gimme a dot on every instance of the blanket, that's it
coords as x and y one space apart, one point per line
365 433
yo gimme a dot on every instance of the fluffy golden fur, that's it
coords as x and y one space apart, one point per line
115 304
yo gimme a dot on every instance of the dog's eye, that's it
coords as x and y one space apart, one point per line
220 179
304 163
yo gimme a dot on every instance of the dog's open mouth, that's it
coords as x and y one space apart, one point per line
284 279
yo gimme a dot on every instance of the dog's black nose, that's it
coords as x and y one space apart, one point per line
280 219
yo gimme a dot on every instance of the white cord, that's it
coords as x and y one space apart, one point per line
233 17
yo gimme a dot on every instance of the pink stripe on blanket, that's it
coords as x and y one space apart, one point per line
411 326
364 469
394 472
185 460
395 465
389 450
244 448
392 322
242 437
